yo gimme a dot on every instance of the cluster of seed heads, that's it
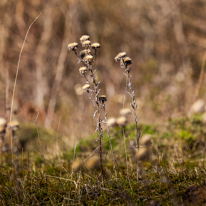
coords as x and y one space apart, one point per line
124 60
85 56
125 63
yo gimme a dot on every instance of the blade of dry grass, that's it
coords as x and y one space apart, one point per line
19 60
17 71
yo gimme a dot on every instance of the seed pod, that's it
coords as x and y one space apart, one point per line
95 46
72 46
120 56
86 87
86 43
102 99
85 52
88 59
84 38
127 61
83 70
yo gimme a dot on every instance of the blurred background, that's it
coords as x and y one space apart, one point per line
166 40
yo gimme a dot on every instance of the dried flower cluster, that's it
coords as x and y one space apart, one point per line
72 46
87 57
125 63
124 60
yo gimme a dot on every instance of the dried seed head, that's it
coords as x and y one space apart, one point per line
76 164
88 59
83 70
145 139
127 61
92 163
86 87
95 46
120 56
111 122
2 122
125 111
85 52
86 43
13 125
142 153
72 46
121 121
102 99
84 38
78 89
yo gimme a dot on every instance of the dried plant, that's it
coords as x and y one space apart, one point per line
87 57
125 63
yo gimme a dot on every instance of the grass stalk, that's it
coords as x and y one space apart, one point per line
15 81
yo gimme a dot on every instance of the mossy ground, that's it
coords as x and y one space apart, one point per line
177 151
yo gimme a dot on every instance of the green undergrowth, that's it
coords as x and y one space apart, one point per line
34 137
176 161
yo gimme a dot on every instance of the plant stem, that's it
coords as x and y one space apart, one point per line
134 107
99 122
108 133
100 144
